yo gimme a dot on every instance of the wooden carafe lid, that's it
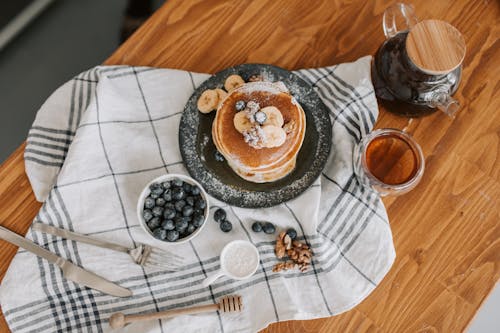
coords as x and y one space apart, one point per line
436 47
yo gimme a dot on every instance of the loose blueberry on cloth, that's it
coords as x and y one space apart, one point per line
103 135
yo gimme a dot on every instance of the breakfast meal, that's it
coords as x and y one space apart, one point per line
258 129
173 209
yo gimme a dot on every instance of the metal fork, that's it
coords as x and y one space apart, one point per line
144 255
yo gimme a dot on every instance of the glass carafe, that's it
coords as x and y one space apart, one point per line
411 87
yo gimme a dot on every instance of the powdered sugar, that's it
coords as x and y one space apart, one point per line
271 87
240 259
255 137
253 107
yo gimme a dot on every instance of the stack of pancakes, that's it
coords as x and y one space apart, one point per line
264 164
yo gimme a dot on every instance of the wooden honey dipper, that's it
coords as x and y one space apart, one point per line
230 303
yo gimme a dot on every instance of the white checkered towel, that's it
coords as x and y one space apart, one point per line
96 142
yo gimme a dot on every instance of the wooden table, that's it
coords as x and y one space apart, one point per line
446 231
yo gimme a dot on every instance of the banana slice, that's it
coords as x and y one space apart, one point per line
274 116
274 136
222 94
233 81
241 122
208 101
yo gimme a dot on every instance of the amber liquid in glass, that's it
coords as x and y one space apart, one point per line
391 159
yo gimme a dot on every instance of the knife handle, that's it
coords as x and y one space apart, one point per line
28 245
48 229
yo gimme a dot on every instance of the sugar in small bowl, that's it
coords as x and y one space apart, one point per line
173 208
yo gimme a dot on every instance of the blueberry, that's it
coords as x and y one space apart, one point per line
158 191
257 226
198 220
190 229
199 211
187 211
156 188
157 211
154 195
240 105
147 214
292 233
169 213
169 205
149 203
268 228
186 187
181 225
154 223
179 205
218 156
200 204
160 233
168 225
172 235
167 195
195 190
219 215
160 201
177 182
260 117
226 226
178 193
166 185
190 201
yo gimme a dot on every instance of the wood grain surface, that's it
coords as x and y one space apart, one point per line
446 231
435 46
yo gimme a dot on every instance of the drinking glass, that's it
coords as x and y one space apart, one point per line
388 161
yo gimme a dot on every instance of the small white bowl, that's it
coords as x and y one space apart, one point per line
145 192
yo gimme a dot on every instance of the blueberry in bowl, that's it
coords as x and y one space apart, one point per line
173 208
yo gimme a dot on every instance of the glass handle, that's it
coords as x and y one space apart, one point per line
398 17
444 102
211 279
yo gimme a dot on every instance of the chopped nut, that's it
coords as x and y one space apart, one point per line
280 246
303 267
288 242
300 254
284 266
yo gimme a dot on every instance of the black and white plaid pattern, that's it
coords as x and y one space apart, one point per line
103 135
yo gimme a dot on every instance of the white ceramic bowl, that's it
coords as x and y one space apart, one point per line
145 192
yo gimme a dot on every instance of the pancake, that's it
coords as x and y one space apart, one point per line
264 164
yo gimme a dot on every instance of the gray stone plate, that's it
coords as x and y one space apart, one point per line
219 180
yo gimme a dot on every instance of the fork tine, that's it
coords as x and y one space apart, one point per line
168 254
161 252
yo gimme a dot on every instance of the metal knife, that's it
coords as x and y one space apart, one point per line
70 271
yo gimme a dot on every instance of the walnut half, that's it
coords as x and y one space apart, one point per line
300 254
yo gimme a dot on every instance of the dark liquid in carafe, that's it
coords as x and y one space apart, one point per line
391 159
401 86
